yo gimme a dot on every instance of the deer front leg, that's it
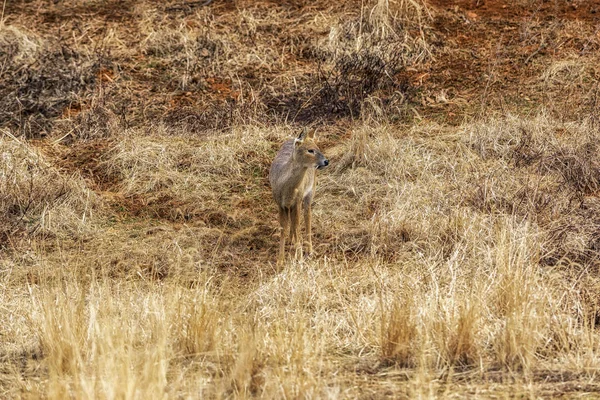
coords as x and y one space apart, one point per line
284 221
307 223
295 230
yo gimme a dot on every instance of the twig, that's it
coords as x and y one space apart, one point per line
2 16
540 47
10 135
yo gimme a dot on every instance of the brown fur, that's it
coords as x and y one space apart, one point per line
292 178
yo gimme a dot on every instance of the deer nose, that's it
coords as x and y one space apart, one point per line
322 164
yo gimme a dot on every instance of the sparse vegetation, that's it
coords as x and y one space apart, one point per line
456 233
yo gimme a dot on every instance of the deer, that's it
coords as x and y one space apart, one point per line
292 178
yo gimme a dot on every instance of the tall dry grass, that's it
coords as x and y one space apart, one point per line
416 288
37 199
138 242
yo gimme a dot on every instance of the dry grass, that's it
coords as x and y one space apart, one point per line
40 79
38 200
431 285
138 239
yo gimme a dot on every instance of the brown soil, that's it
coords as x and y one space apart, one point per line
487 54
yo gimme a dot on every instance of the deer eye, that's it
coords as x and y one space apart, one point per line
311 151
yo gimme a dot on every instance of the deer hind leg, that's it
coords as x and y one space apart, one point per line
284 221
295 230
307 222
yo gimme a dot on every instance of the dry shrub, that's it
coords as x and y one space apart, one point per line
519 299
275 360
97 120
554 179
369 52
314 329
301 324
360 62
244 64
199 317
400 335
383 22
37 200
573 239
211 64
39 79
432 334
139 340
577 166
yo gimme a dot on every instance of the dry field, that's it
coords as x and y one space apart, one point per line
456 232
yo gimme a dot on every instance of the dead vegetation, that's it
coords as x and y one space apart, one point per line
40 79
37 200
456 231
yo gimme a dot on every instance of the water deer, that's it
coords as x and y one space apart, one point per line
292 178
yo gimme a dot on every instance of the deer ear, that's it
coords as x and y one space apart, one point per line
311 133
302 135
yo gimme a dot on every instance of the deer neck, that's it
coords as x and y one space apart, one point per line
298 172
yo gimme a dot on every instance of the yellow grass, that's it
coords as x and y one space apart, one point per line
410 284
137 254
37 198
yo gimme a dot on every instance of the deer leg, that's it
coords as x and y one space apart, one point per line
295 229
284 221
293 232
307 223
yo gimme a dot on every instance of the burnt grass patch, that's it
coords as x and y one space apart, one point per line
341 92
36 90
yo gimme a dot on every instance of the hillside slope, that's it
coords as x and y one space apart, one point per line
456 231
